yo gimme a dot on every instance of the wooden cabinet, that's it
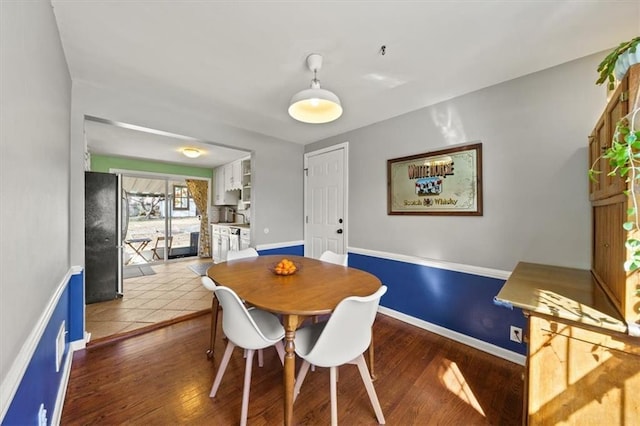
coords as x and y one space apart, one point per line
610 201
578 375
582 366
221 196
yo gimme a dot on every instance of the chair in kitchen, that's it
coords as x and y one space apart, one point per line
251 329
341 340
241 254
338 259
155 249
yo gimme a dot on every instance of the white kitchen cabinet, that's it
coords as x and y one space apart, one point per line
246 179
233 176
221 196
236 177
245 238
219 243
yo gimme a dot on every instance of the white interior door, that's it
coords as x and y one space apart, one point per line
325 200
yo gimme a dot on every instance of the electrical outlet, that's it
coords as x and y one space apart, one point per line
515 334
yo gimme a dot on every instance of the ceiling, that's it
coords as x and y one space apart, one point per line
119 139
241 61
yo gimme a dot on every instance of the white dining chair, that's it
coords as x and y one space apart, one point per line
210 285
250 329
332 257
241 254
341 340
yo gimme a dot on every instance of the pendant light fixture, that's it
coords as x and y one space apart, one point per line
315 105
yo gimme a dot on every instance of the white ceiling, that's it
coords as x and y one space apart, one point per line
241 61
108 138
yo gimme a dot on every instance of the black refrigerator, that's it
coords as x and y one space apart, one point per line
101 230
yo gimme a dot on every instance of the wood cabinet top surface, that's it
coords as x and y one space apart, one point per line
566 293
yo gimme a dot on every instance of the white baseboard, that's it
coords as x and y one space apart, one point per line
79 344
62 390
454 335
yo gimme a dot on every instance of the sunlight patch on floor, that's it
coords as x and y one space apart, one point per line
452 378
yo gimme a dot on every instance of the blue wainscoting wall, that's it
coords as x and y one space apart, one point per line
40 383
457 301
450 300
297 250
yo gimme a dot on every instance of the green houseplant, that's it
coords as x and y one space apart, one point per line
616 63
624 157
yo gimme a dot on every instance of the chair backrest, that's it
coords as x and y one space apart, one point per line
347 334
241 254
237 324
338 259
208 283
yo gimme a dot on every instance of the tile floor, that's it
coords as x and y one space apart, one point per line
173 291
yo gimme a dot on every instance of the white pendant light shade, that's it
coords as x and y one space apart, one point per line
315 105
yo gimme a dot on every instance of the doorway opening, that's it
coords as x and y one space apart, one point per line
161 220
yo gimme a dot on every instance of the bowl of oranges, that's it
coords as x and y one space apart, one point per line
285 267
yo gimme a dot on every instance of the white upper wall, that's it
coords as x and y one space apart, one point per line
276 178
534 133
35 103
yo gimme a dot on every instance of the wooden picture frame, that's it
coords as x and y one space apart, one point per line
443 182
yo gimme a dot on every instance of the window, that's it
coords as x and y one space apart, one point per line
180 197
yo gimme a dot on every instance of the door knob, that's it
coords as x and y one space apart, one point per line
339 231
339 220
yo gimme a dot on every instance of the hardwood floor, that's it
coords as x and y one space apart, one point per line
164 377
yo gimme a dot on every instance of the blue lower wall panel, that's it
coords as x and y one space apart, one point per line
41 383
454 300
76 307
292 250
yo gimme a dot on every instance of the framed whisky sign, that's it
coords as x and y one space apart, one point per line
443 182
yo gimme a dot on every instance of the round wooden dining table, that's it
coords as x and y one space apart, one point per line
315 289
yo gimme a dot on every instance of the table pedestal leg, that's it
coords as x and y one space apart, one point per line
290 325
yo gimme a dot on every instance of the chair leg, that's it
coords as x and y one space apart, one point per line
214 326
222 368
246 388
334 396
260 357
371 358
304 369
280 349
368 384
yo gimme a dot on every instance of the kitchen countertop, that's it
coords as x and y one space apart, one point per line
567 293
233 225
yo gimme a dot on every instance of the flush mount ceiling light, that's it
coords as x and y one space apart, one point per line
191 152
315 105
